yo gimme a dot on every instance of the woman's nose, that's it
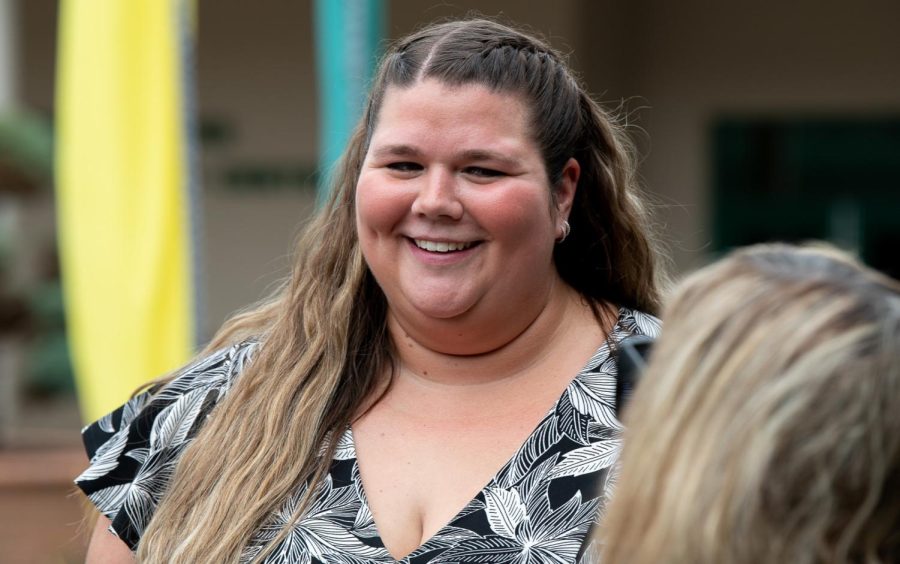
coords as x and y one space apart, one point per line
437 196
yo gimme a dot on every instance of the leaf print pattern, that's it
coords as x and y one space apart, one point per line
540 533
106 458
646 324
587 459
323 533
174 422
537 445
505 511
105 423
344 449
134 449
538 508
589 401
110 499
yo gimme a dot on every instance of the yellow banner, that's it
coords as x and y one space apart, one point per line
121 180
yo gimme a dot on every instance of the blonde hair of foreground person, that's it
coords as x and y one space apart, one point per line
324 335
767 426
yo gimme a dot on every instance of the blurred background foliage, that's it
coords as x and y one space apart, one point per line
32 310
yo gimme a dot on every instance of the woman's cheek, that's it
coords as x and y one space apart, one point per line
380 204
518 211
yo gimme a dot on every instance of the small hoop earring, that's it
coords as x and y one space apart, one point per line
566 229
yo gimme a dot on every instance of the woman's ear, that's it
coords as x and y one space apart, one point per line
565 188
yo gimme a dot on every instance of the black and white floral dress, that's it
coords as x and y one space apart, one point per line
538 507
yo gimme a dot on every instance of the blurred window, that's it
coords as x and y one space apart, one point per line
794 179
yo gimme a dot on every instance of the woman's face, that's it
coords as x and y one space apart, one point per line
453 206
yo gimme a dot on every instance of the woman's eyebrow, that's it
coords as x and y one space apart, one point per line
396 151
487 155
403 150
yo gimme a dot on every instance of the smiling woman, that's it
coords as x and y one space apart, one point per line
438 386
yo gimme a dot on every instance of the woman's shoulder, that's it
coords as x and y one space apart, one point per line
133 449
635 322
209 376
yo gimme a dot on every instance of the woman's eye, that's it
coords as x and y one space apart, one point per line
405 167
483 172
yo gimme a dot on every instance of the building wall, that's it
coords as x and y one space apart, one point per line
691 61
256 77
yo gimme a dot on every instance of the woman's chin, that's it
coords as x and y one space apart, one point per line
437 318
442 312
439 302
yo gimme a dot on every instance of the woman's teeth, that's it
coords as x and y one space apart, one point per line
441 247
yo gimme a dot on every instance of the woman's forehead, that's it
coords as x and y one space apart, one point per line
468 113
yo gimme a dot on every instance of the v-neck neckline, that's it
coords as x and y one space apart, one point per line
601 354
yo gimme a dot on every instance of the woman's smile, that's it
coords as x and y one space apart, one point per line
443 253
443 246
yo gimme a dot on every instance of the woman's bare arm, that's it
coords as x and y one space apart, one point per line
107 548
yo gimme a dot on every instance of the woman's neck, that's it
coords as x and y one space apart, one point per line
563 318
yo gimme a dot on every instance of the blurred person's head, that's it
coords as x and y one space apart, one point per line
767 425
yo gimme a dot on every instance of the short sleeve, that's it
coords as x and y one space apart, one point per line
134 450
